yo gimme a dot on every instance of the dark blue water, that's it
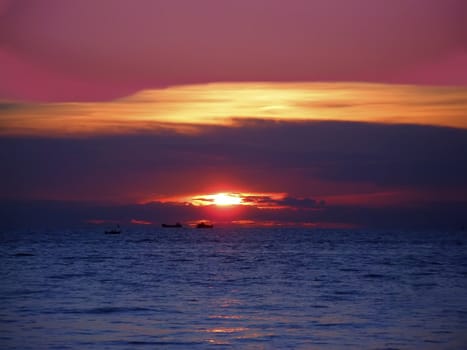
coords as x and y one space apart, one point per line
227 288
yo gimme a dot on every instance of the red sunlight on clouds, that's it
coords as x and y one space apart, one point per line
228 199
140 222
219 199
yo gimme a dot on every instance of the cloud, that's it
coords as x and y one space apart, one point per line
192 108
306 160
269 202
302 203
60 214
119 46
140 222
7 106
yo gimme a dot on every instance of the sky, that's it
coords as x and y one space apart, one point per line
316 113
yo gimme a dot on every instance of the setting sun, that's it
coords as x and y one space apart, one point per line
224 199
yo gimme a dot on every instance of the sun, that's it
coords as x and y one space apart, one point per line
223 199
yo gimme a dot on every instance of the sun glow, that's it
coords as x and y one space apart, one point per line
224 199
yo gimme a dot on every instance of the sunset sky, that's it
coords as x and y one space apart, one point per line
322 113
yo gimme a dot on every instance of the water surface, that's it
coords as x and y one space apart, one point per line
233 289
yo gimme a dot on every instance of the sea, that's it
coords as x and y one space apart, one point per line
233 288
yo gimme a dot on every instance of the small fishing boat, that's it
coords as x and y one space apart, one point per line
204 225
114 231
176 225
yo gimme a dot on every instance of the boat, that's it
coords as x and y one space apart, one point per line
176 225
114 231
204 225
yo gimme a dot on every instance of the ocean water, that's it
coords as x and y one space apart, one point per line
233 289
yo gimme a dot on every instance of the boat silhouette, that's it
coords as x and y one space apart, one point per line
114 231
204 225
176 225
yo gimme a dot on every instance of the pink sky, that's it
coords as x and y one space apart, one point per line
62 50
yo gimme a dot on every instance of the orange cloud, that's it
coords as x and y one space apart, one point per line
190 109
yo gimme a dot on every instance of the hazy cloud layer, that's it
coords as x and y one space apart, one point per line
80 50
314 160
64 214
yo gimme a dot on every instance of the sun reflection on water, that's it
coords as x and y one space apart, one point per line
227 330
